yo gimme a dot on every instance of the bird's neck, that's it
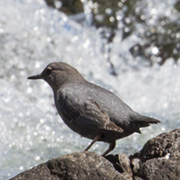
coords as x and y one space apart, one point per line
62 82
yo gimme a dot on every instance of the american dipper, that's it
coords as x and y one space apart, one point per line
90 110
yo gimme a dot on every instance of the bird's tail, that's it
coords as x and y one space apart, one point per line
142 121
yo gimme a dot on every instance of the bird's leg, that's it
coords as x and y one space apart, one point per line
111 147
94 140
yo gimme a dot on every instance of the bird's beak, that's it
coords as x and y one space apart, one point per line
39 76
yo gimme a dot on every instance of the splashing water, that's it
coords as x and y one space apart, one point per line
33 35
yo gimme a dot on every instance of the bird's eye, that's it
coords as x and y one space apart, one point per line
48 71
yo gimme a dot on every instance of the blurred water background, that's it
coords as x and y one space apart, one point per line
129 47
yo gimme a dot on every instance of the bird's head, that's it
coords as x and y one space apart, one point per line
57 74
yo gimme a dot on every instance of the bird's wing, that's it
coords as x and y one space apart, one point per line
88 113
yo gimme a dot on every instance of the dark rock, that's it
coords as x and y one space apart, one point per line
76 166
158 160
121 163
160 169
162 145
125 163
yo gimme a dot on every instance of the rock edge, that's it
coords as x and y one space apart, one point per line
158 160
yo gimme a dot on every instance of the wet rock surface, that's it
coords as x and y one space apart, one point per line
159 159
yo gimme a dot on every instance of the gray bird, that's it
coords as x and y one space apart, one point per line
90 110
